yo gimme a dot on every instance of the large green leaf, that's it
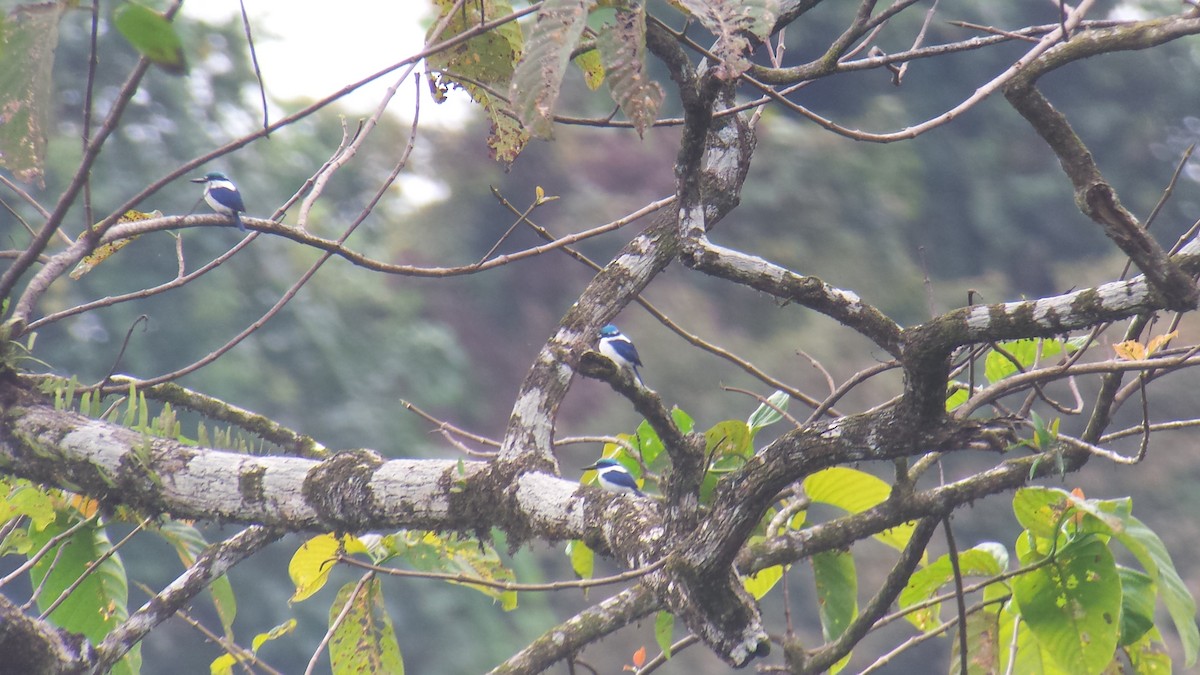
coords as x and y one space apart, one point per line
1041 510
664 627
856 491
1026 352
1073 605
837 591
28 38
99 603
152 35
364 641
538 77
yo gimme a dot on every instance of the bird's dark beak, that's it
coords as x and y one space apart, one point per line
591 467
199 180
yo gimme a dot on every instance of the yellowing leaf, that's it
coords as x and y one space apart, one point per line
1160 341
104 251
275 633
761 582
1130 350
310 565
365 641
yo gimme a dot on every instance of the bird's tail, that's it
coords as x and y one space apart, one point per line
237 219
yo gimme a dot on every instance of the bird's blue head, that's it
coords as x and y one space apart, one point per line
609 331
603 464
210 177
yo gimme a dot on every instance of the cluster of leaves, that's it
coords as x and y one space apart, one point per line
80 580
605 41
1068 607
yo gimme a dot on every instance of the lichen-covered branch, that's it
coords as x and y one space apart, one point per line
1094 196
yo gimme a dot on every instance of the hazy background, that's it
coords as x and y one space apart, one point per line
980 204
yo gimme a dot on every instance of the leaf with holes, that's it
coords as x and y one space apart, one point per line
622 46
733 22
537 80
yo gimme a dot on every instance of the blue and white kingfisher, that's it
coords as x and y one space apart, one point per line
615 478
223 196
620 349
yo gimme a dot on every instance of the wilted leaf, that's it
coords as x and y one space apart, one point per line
1130 350
364 642
622 47
731 21
487 59
105 251
538 77
28 37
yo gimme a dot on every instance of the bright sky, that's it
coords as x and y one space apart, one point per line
309 49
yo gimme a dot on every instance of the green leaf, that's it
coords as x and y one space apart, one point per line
99 603
856 491
152 36
682 420
987 559
583 559
1027 352
761 582
837 591
730 438
622 47
956 398
593 70
664 626
538 77
649 445
28 38
24 499
1073 604
1138 593
364 641
1148 655
1041 510
766 415
1150 551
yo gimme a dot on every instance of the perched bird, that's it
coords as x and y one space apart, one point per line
615 478
620 349
223 196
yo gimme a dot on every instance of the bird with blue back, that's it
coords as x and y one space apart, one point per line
615 478
620 350
223 197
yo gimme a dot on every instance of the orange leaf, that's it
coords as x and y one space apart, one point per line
1159 341
639 657
1130 350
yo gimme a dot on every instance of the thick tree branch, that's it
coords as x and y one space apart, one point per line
1094 196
